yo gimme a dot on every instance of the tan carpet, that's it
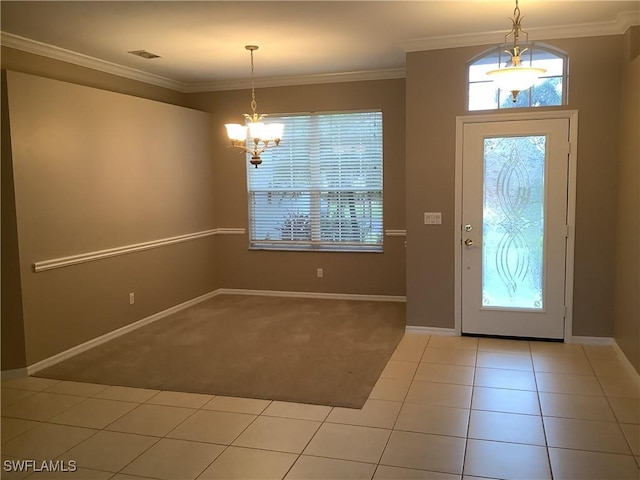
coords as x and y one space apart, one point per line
327 352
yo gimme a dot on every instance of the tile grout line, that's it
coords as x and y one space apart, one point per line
159 438
473 387
201 408
606 396
404 398
299 455
48 422
262 414
226 447
544 428
103 429
139 404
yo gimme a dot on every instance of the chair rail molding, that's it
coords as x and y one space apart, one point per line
61 262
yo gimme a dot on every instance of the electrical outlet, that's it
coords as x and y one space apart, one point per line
319 273
132 298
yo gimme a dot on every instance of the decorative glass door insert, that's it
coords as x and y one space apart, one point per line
513 222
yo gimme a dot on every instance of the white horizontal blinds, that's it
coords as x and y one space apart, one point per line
322 187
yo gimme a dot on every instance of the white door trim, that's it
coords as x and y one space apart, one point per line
572 116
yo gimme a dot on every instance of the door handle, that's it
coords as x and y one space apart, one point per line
468 242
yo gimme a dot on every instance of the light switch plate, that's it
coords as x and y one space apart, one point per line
432 218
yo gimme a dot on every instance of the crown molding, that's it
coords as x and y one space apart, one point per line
383 74
57 53
619 26
614 27
43 49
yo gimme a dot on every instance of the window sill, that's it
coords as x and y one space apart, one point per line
317 248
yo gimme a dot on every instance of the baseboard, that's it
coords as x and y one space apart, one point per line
83 347
604 341
327 296
447 332
11 374
625 360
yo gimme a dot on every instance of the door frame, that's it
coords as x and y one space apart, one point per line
461 121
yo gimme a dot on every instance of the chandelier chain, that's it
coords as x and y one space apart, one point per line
253 89
262 136
516 30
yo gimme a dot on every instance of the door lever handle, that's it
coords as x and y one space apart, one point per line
468 242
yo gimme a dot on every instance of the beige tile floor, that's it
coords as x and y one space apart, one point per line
444 408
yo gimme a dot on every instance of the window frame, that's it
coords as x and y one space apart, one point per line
316 190
532 46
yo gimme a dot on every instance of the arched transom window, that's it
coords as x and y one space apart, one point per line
549 90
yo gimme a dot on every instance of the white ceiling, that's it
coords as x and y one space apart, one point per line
201 43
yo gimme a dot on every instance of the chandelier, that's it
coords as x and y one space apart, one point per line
515 78
261 135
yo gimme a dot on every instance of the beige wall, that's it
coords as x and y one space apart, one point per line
627 281
95 170
361 273
13 348
436 82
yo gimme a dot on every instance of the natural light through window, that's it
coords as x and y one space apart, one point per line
549 90
321 189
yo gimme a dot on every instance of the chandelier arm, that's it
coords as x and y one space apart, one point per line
241 147
255 151
264 147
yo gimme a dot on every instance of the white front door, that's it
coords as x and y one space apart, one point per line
514 227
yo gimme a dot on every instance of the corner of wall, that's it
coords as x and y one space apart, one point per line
13 346
633 41
626 322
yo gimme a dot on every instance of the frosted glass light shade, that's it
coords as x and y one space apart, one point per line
258 131
236 132
515 78
275 131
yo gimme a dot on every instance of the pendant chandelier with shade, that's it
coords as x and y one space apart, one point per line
261 136
516 77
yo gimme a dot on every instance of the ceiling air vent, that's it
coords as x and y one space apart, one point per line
144 54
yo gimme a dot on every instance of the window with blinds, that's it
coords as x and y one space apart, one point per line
321 189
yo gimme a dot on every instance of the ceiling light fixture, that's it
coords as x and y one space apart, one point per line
260 134
515 78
